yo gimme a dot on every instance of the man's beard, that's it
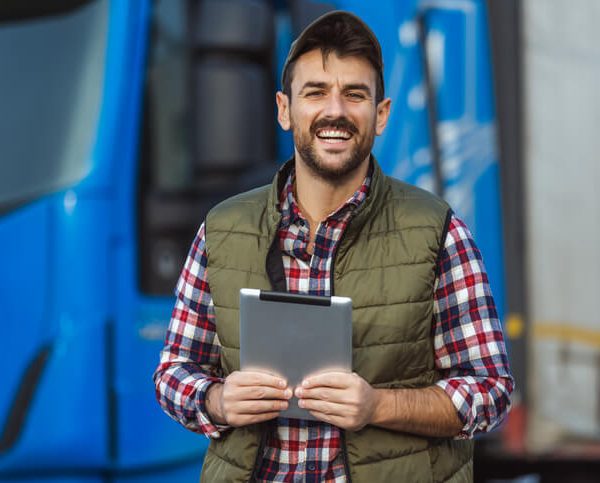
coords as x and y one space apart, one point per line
332 174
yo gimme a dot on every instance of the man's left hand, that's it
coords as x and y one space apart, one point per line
342 399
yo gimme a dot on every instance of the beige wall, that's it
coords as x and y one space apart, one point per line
562 155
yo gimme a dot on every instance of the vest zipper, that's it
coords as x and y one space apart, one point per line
345 456
332 293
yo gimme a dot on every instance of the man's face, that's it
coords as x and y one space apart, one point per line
332 113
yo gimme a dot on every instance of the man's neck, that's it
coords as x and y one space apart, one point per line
318 198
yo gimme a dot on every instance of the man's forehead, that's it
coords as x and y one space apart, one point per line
313 66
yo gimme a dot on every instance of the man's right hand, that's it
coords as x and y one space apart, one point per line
247 398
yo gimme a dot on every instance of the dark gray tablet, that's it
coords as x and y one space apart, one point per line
294 336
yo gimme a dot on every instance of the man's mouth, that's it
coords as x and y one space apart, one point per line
333 135
334 131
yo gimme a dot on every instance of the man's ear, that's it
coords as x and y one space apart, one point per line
283 110
383 114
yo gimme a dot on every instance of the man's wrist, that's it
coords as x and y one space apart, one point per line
426 411
384 406
213 403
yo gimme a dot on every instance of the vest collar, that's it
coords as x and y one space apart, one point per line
273 214
360 215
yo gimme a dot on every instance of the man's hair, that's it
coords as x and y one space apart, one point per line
343 34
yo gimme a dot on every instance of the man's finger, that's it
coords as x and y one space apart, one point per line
338 380
332 409
259 406
247 393
255 378
323 393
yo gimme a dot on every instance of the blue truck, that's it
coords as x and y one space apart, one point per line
122 123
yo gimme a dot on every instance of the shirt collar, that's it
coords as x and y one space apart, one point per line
290 212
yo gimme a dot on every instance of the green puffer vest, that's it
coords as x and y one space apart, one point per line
386 263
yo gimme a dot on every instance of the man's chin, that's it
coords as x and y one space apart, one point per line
332 163
334 169
335 157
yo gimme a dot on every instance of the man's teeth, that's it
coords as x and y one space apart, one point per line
334 134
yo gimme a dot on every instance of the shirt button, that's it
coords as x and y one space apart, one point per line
311 467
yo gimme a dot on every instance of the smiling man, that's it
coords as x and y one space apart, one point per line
430 366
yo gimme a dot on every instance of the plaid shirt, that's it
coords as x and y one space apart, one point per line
468 342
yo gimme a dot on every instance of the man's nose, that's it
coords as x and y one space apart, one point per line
335 106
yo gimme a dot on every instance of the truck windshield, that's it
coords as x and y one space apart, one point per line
50 93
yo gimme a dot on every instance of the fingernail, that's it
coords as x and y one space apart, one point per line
301 403
288 393
299 392
282 384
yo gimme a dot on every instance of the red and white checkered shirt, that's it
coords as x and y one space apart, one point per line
469 348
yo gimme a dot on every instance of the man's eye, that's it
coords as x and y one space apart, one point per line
314 93
356 95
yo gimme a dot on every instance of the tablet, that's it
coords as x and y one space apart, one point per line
294 336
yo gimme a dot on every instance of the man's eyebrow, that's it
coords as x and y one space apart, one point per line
314 85
359 86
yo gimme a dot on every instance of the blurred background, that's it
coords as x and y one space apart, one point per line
123 121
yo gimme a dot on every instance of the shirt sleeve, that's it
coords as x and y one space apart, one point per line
190 359
469 344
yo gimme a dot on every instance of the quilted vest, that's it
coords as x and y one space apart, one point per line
386 262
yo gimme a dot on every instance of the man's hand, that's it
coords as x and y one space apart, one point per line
349 402
247 398
342 399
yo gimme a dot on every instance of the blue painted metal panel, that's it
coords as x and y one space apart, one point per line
23 292
73 382
166 441
25 264
144 435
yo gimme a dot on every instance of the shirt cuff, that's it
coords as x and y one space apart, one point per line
481 402
209 428
462 401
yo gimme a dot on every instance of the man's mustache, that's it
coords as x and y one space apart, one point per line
341 123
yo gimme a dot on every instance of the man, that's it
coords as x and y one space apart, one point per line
428 354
